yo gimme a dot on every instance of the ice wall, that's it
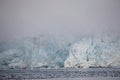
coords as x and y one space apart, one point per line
94 52
44 51
48 51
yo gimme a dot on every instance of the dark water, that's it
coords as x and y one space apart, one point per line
61 74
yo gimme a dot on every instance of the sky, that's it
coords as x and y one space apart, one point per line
20 18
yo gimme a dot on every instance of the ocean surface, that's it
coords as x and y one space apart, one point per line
61 74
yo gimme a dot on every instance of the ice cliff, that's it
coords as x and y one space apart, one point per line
43 51
94 52
48 51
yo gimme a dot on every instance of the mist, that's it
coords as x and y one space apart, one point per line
21 18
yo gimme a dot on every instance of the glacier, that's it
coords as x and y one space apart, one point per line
49 51
94 52
42 51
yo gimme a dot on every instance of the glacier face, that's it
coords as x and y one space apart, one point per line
92 52
44 51
48 51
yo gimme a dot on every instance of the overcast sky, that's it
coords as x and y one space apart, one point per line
31 17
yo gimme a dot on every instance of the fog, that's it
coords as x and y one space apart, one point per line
20 18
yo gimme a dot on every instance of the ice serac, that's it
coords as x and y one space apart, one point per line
94 52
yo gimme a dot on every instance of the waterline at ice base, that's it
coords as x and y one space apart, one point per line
48 51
